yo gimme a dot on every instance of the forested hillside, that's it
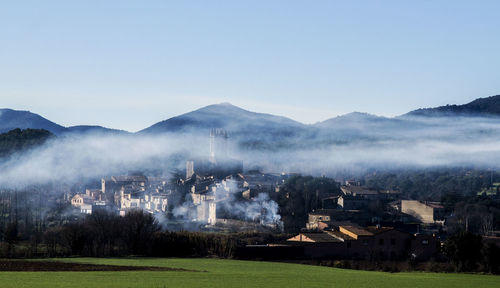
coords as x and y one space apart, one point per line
20 140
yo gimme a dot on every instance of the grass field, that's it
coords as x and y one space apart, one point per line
233 273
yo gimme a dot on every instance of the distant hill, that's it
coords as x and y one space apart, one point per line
86 129
18 140
250 129
364 126
12 119
489 106
225 116
356 119
258 130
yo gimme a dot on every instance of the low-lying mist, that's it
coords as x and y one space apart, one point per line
351 147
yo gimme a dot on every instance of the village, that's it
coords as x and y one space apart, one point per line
342 228
353 221
215 194
195 199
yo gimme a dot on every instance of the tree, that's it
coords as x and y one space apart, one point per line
18 140
491 258
300 195
464 250
75 236
11 236
138 228
104 227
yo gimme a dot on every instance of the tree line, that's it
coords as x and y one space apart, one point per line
104 234
432 184
469 252
18 140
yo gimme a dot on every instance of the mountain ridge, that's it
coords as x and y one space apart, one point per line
11 119
487 106
230 117
223 115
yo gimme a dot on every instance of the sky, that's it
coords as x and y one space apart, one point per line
129 64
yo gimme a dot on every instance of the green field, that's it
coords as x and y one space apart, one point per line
233 273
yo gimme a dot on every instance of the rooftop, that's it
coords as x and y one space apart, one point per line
321 237
325 212
435 205
356 230
358 190
129 178
377 230
340 235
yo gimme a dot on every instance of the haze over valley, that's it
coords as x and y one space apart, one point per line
451 136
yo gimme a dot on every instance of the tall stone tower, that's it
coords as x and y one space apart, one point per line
218 144
212 146
189 169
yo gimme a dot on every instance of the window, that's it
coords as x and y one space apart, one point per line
393 241
380 242
349 244
425 242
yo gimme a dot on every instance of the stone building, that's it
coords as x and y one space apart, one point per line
354 242
360 191
426 212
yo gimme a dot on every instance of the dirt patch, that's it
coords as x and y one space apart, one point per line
27 266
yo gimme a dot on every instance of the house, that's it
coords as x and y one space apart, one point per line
360 191
95 194
321 215
426 212
374 242
114 184
206 212
318 237
127 202
349 202
81 199
155 203
86 209
327 218
377 242
255 182
87 203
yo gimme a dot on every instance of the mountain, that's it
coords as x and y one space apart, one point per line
250 130
12 119
358 126
87 129
257 129
489 106
224 116
356 120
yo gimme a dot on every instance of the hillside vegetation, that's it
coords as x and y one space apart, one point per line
480 106
18 140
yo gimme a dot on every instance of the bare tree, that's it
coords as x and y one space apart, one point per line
486 223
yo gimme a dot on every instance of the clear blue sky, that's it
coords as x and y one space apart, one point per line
128 64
